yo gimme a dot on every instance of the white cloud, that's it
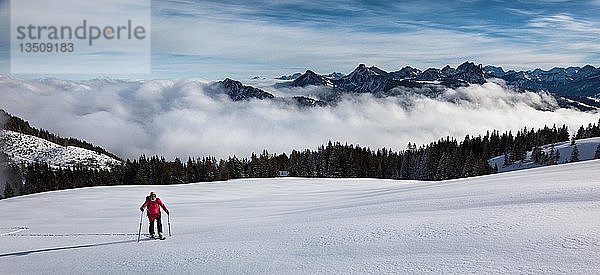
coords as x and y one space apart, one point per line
177 118
566 31
564 21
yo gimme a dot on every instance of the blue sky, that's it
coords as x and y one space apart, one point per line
241 39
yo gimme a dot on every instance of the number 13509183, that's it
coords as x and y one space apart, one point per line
46 47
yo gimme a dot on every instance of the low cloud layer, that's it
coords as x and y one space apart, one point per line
178 118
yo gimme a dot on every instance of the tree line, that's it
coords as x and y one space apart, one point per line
444 159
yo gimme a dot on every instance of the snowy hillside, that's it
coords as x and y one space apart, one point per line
536 221
30 149
587 148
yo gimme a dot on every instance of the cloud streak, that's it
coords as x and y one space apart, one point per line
179 119
242 40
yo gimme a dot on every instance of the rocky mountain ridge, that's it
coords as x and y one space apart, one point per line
573 87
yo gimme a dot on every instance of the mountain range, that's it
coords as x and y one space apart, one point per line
573 87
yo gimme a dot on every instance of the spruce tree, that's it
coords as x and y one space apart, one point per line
8 191
551 160
536 154
468 166
575 154
405 168
442 168
422 169
507 160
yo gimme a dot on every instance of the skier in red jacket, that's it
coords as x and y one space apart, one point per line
153 203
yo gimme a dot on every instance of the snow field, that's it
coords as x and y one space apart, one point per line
542 220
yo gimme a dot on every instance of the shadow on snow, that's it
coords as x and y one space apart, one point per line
25 253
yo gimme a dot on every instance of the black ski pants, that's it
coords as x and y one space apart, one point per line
158 225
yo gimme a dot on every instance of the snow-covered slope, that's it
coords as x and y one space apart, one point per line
587 149
30 149
535 221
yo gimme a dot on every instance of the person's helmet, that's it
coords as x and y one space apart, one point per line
153 193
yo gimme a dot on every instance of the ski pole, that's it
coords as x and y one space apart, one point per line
169 222
140 231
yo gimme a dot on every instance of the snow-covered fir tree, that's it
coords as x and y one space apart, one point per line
575 154
551 159
537 154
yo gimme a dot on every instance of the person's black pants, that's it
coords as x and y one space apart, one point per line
158 225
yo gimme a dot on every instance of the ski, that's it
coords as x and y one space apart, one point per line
149 237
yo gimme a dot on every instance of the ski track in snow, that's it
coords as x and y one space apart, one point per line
15 230
540 221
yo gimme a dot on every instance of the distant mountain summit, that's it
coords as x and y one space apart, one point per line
311 78
406 73
335 75
464 75
494 71
363 80
289 77
470 73
238 91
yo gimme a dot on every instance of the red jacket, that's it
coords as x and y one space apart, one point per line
153 207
